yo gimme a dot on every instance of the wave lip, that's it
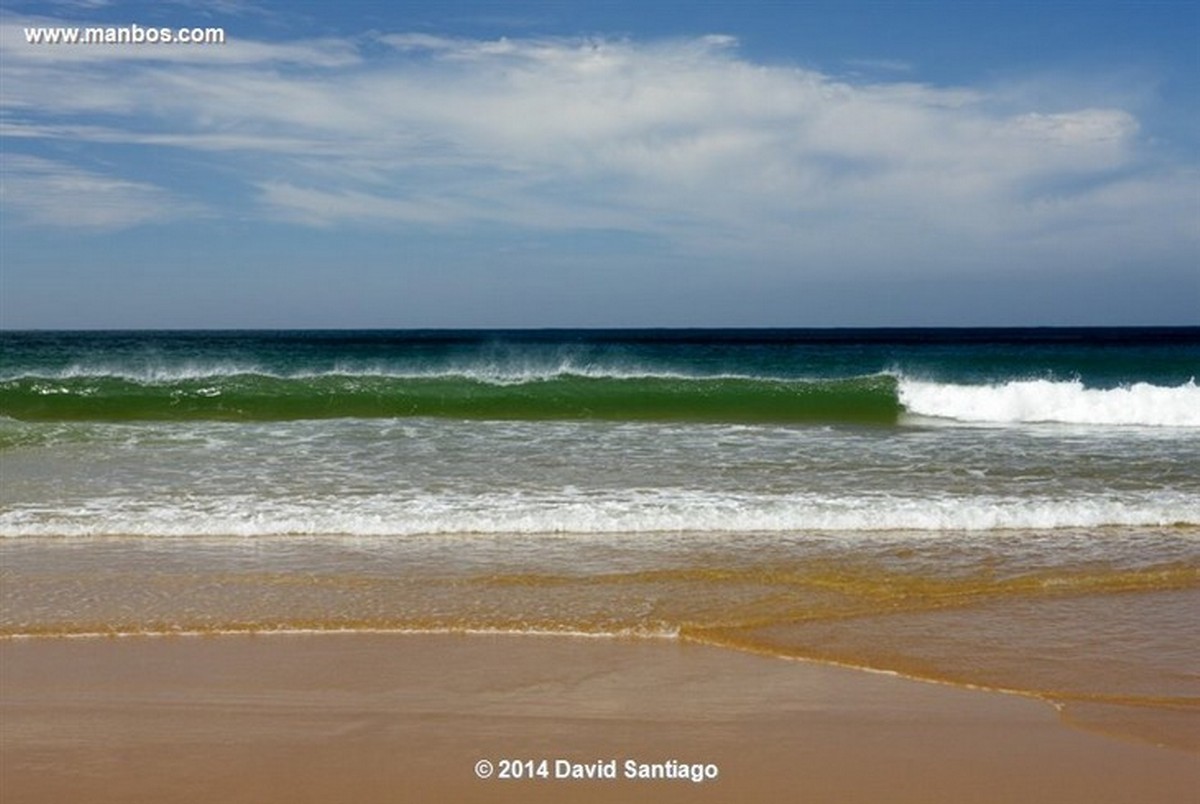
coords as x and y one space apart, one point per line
1048 401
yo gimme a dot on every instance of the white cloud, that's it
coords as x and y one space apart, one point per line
43 192
683 139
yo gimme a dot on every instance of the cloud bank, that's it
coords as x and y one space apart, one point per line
686 143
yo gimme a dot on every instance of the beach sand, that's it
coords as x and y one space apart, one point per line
388 718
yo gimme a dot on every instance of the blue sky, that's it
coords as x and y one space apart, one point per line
530 164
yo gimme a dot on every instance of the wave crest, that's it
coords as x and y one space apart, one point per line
1046 401
233 393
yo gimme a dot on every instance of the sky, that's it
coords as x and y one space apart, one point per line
602 164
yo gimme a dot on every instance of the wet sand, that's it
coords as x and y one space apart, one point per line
375 718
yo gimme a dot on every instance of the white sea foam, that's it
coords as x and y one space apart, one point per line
577 512
148 374
1037 401
496 373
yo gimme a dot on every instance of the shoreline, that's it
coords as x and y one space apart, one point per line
384 717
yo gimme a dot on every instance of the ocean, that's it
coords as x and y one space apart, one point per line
1009 509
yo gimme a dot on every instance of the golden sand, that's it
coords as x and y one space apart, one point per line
387 718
